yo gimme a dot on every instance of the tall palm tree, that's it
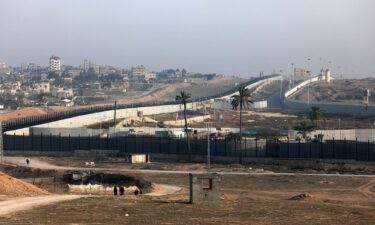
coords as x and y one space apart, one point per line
242 100
315 115
183 99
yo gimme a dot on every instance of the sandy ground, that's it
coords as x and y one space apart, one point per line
36 163
25 203
247 198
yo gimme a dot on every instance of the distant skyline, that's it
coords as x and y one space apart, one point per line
238 37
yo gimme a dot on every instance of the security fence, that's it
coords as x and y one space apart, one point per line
332 149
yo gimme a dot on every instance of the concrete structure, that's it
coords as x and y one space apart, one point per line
362 135
139 158
3 65
204 188
225 104
54 64
94 118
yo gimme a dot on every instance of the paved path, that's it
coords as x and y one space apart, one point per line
35 163
24 203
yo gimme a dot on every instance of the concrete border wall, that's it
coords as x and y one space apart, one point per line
92 118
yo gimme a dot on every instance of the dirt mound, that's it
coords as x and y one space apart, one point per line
12 186
229 197
304 197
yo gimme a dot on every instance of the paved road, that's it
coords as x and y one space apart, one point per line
20 204
36 163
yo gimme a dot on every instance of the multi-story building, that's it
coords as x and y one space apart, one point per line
301 72
42 88
86 65
140 73
3 65
55 64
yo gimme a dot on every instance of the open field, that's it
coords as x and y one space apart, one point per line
245 200
264 197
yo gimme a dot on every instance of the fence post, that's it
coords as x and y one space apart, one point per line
215 152
169 145
235 146
32 141
356 149
333 147
23 143
89 141
266 147
368 150
288 147
345 151
299 148
321 150
245 148
107 141
226 153
50 141
310 149
41 141
69 143
14 141
60 141
256 147
160 143
79 141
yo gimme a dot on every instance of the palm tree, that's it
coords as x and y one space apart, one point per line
242 100
304 129
183 99
315 115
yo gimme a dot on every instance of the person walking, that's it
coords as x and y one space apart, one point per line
27 161
115 190
122 190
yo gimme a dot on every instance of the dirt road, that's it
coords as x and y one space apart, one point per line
35 163
20 204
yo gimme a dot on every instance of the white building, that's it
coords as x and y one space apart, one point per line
55 64
3 65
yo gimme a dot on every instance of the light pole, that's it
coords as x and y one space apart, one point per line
292 64
308 84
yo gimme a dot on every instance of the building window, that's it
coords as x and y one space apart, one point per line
206 183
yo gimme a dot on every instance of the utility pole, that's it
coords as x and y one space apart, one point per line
308 93
292 64
1 142
281 87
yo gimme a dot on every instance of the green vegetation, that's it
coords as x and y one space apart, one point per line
242 100
183 99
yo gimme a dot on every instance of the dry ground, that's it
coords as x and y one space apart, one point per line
348 91
246 199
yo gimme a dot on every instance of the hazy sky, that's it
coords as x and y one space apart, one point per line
234 37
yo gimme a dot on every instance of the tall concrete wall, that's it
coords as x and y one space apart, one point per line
93 118
85 120
260 83
330 107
